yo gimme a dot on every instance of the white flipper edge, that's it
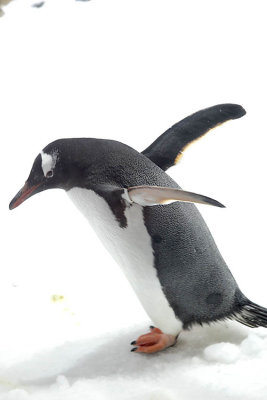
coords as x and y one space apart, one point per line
155 195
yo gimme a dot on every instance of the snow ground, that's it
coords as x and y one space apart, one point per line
205 364
127 70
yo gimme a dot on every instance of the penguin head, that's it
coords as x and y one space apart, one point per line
50 170
80 162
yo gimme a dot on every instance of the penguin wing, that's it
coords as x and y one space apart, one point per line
118 198
153 195
167 149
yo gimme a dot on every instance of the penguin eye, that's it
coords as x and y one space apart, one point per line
49 174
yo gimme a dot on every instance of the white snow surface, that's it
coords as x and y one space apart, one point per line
127 70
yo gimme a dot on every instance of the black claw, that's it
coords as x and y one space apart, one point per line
134 349
133 342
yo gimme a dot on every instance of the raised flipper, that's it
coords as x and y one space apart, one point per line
167 149
153 195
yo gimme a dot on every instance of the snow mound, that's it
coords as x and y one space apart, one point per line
253 345
16 394
222 352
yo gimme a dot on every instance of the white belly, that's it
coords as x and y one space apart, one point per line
132 249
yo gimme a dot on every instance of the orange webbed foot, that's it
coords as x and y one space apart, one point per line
153 341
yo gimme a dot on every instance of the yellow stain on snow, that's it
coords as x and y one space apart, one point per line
61 301
56 297
10 385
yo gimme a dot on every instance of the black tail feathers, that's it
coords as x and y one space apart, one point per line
252 315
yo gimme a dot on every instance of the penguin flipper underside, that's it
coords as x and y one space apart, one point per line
154 195
118 198
166 150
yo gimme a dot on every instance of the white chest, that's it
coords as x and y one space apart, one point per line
132 250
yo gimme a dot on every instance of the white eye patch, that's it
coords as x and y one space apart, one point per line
48 162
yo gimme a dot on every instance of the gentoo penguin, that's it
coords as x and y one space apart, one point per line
165 250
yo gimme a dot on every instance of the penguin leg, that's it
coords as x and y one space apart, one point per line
153 341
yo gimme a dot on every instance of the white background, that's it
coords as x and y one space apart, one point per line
124 70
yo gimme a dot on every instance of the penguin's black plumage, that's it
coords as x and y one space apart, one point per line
166 150
166 251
